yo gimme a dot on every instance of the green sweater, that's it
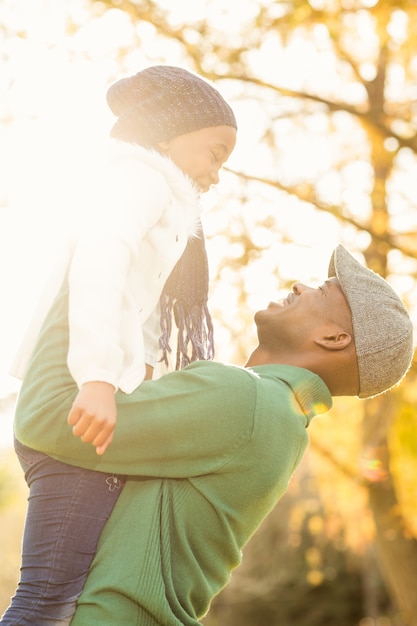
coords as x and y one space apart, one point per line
210 450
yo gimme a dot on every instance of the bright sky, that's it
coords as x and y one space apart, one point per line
52 91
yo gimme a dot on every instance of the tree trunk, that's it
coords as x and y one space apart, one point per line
396 552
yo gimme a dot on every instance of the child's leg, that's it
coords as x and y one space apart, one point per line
68 507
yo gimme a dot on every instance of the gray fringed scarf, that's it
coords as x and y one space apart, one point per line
184 297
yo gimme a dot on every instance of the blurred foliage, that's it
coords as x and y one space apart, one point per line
12 512
7 486
6 490
402 442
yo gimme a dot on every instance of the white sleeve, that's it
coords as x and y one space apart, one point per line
100 268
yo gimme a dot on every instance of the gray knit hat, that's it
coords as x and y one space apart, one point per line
162 102
381 325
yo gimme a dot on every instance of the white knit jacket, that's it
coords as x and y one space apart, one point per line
141 211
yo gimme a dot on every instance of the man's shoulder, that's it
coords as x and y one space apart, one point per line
237 376
215 368
274 371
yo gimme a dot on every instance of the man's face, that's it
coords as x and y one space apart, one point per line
202 153
303 316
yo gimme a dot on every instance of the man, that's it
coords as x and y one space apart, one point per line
209 450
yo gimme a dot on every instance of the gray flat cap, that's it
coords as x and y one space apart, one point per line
382 328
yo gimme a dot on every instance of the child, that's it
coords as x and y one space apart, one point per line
143 259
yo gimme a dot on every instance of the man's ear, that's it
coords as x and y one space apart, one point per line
335 341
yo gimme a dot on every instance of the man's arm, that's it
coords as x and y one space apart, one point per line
184 424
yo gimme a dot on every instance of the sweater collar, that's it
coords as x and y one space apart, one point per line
311 393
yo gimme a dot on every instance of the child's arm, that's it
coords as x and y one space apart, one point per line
93 414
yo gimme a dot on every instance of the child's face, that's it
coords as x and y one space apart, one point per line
202 153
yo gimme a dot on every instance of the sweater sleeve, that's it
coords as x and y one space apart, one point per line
185 424
100 265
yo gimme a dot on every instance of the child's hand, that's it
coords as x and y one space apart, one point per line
93 415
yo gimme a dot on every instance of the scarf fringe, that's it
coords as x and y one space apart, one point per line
195 332
184 298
